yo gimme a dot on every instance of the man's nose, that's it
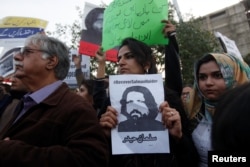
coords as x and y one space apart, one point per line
18 56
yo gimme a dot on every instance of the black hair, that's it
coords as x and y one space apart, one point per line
231 125
142 52
205 59
89 84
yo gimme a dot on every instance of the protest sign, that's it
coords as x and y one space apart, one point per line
137 98
85 68
13 32
228 45
137 19
91 34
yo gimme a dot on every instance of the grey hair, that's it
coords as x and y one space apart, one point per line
53 47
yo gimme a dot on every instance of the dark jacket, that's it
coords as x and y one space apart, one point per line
60 131
182 153
4 102
99 89
173 75
7 113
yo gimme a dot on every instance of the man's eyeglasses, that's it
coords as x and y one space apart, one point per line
25 51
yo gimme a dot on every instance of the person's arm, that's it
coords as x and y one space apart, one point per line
182 147
100 94
173 75
78 73
101 59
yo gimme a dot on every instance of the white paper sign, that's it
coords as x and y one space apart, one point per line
7 66
229 45
85 64
137 99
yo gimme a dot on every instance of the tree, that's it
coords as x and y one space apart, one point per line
193 43
247 58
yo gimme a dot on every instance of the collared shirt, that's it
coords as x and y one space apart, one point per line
202 138
31 99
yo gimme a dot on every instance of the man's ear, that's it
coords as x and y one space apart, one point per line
52 62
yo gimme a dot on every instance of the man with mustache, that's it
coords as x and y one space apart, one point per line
53 126
140 108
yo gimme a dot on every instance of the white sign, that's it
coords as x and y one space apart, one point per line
137 99
85 64
6 62
228 45
13 32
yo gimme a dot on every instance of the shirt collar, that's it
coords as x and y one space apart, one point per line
41 94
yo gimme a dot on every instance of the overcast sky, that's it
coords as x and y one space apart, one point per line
64 11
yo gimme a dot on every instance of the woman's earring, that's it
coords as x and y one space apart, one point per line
146 71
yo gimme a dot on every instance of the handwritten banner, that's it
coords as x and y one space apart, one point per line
6 33
13 32
15 21
133 18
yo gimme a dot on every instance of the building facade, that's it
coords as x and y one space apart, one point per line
234 23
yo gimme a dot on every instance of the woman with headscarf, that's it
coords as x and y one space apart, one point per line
214 74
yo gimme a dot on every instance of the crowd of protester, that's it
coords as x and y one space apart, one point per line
44 123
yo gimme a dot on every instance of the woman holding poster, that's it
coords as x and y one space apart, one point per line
135 57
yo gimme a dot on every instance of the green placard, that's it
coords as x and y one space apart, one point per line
140 19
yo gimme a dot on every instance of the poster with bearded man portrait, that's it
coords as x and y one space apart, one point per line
140 129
